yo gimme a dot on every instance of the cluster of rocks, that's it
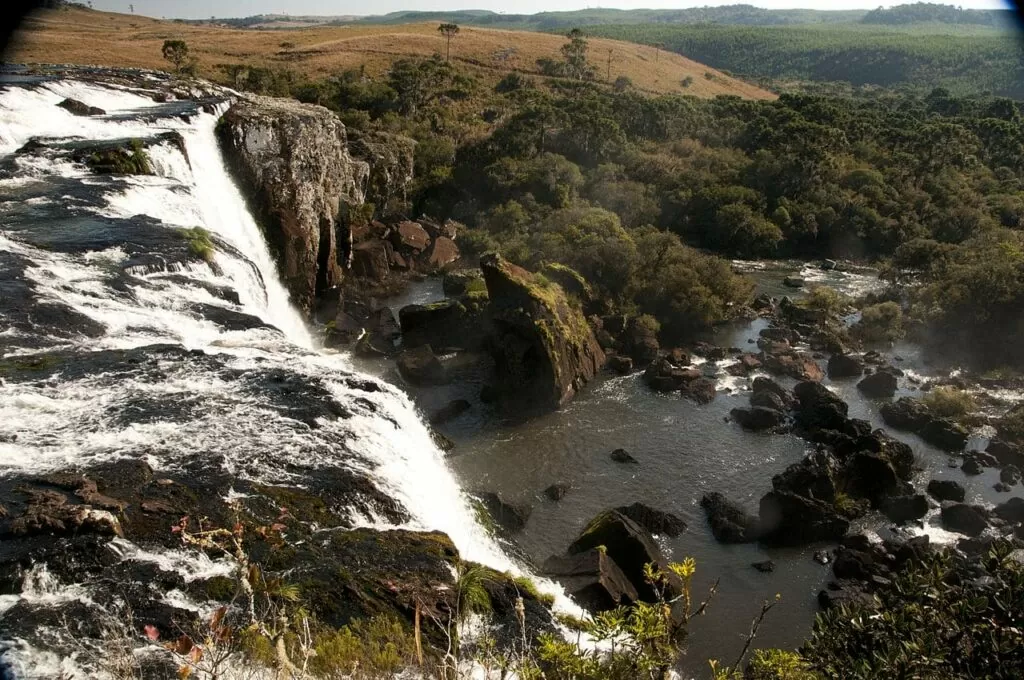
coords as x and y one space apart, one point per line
604 567
853 470
379 251
674 372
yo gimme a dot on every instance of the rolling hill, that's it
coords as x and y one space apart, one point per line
81 36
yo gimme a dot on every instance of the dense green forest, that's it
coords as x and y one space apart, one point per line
857 54
633 191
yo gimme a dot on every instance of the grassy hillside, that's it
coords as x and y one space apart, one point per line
965 59
82 36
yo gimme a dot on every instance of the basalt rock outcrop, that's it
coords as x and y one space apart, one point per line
293 164
543 349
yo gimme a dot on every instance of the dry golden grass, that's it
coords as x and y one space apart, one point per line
79 36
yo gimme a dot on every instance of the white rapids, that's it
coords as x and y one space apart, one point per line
50 425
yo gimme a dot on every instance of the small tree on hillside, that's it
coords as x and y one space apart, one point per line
176 52
575 54
449 31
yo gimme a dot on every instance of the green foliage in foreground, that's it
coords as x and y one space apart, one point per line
857 54
934 622
200 243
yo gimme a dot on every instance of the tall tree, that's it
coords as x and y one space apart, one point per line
575 54
176 52
449 31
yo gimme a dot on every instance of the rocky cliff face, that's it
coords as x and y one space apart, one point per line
293 163
544 351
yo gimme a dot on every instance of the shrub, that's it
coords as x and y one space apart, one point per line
826 299
949 402
687 81
778 664
880 323
1011 425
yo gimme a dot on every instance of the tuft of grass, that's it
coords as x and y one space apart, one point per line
200 243
950 402
527 586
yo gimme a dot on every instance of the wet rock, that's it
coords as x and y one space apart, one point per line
371 259
822 557
946 490
51 513
440 324
970 520
793 282
848 595
971 467
292 162
1000 487
557 492
818 408
906 414
878 385
639 341
763 384
748 363
854 565
710 352
420 366
678 358
776 334
1010 475
814 477
944 434
757 418
663 376
78 108
654 521
768 400
902 509
870 475
620 364
1011 511
544 350
593 579
1006 453
449 411
788 519
701 391
629 546
845 366
409 238
511 518
623 456
456 283
793 364
765 567
728 521
442 253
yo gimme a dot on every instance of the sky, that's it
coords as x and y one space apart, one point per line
202 9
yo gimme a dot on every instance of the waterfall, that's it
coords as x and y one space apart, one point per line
52 425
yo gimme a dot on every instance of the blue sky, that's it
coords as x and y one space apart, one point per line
199 9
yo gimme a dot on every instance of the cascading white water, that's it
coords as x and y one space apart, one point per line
49 426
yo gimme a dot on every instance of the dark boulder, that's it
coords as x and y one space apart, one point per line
511 518
449 411
768 400
544 350
793 364
1011 511
946 490
1010 475
944 434
793 282
439 324
441 253
593 579
628 545
879 385
639 341
654 521
789 519
870 475
623 456
765 567
969 520
620 364
847 594
371 259
420 366
769 386
818 408
557 492
78 108
1006 453
813 477
409 238
757 418
701 391
902 509
906 414
456 283
845 366
728 521
663 376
